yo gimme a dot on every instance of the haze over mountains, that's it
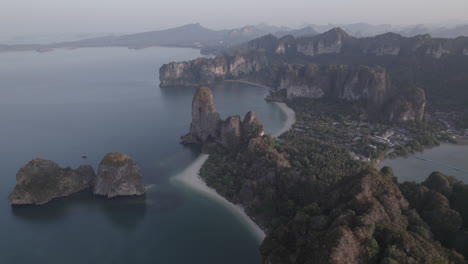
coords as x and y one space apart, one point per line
198 36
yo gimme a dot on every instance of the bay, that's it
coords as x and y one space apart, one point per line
67 103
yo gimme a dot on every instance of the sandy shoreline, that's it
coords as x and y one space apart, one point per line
290 118
247 82
191 178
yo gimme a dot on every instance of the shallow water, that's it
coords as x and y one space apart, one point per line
64 104
411 168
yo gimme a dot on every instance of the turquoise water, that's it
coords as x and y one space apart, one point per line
63 104
412 168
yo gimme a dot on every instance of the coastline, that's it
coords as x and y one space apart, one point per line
290 118
190 177
290 114
247 82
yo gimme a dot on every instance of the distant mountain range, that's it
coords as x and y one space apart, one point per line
211 41
369 30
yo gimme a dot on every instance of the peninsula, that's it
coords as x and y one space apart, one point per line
314 190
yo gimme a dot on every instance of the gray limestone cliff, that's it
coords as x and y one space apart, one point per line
204 71
208 127
337 41
40 181
118 175
330 42
344 82
284 65
205 118
408 106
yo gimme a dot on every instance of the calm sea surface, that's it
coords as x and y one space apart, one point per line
447 158
67 103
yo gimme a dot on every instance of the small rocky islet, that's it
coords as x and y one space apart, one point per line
40 180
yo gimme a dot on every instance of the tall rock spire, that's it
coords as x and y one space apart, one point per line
205 118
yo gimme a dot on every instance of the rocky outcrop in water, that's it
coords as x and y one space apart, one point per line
204 71
208 127
40 181
118 175
205 118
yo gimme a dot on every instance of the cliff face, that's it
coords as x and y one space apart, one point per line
40 181
205 118
369 85
337 41
118 175
208 127
273 62
204 71
330 42
408 106
345 82
349 83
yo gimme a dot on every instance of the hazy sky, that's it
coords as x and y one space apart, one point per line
57 16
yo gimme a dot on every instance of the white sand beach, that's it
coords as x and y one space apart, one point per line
290 119
191 178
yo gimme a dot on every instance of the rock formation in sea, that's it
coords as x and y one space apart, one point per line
208 127
205 71
118 175
40 181
205 118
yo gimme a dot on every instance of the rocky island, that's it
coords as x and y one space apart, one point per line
41 181
118 175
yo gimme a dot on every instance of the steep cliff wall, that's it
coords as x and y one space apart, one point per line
407 106
345 82
204 71
207 126
284 65
368 85
337 41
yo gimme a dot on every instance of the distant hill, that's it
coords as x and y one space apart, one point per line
369 30
191 35
217 41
